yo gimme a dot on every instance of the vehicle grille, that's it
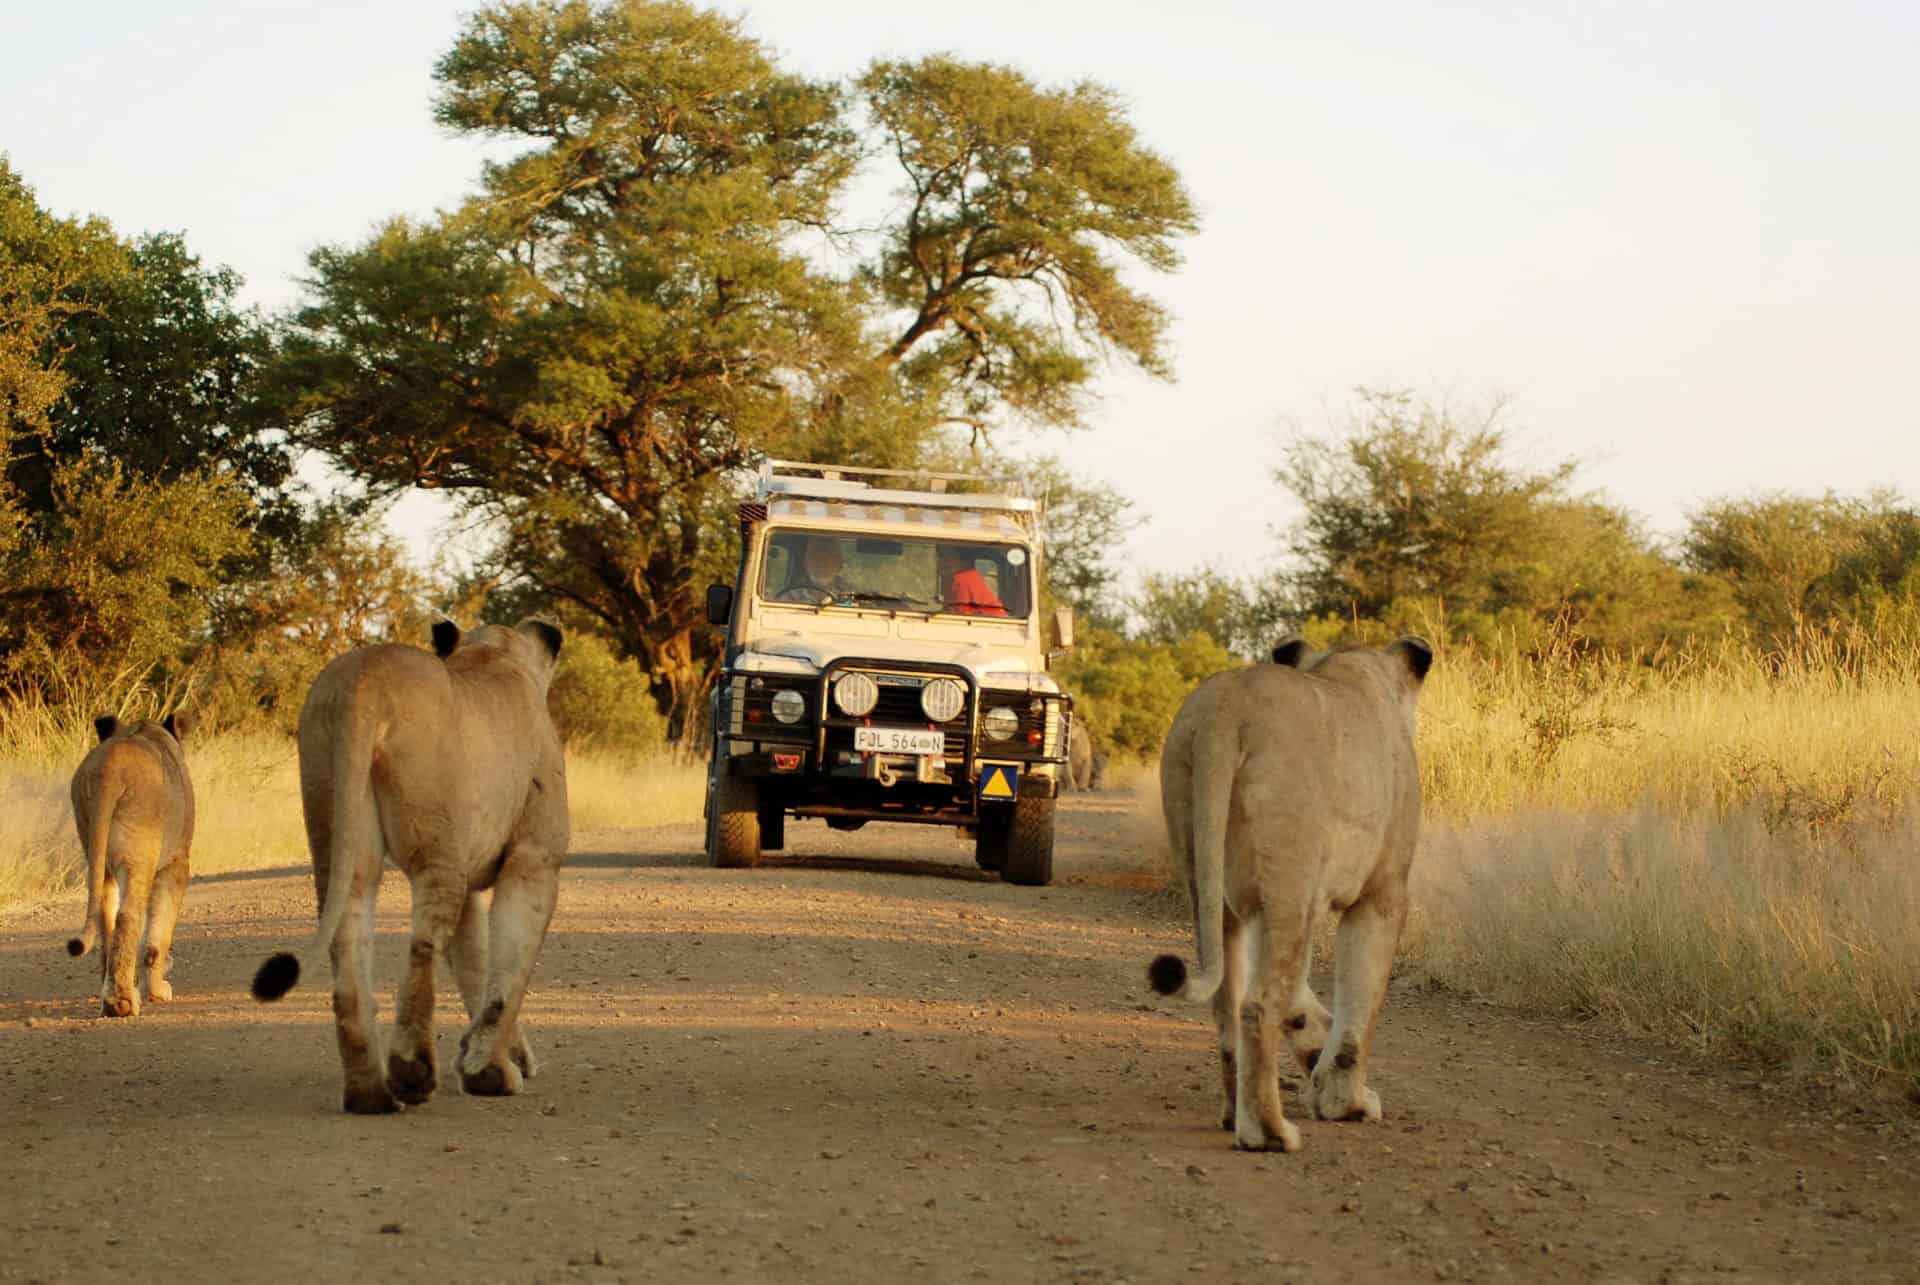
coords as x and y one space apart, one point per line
898 706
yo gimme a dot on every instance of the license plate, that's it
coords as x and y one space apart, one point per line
899 740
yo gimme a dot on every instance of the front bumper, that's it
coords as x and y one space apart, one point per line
810 766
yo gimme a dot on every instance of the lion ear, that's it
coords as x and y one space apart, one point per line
178 724
106 725
1290 651
1418 655
549 635
446 636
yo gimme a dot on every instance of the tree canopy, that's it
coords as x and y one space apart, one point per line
658 290
1414 512
124 481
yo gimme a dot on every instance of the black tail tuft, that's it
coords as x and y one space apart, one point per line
446 637
1167 974
75 946
276 977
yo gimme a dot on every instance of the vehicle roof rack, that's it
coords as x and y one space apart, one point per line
799 479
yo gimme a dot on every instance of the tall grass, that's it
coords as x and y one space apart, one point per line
1719 850
1725 933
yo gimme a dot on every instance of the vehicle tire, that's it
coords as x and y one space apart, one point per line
773 827
1029 850
990 837
733 823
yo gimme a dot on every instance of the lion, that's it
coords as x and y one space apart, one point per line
1291 789
133 808
1086 764
450 767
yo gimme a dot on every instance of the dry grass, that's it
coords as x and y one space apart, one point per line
610 792
1820 744
1723 933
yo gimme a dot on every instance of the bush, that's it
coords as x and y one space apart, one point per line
601 702
1128 690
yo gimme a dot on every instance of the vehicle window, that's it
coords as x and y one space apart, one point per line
934 576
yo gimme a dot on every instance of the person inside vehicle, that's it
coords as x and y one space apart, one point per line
965 590
818 578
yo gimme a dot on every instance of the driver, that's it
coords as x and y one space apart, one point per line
819 579
966 590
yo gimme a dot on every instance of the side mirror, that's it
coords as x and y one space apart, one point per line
719 603
1063 627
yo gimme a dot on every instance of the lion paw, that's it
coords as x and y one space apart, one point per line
1336 1097
159 992
495 1080
1285 1138
411 1079
114 1005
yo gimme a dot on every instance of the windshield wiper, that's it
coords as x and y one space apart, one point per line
885 599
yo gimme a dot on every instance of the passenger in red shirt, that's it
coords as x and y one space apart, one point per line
967 591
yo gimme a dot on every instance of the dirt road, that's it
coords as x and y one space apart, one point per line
847 1066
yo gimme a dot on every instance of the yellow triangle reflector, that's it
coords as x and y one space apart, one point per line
997 783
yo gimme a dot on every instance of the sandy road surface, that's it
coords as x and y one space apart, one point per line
851 1067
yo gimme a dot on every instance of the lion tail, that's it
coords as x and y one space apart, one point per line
94 839
1215 762
351 839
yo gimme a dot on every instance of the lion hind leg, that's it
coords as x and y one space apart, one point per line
467 953
163 913
439 904
355 1017
1364 945
1308 1021
122 998
1238 937
523 901
109 915
1260 1122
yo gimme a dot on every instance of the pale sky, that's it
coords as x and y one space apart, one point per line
1682 238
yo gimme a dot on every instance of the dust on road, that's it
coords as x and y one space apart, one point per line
867 1061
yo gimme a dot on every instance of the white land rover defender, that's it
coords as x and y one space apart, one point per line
886 661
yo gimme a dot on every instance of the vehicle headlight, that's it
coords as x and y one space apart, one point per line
1000 723
789 706
943 699
855 694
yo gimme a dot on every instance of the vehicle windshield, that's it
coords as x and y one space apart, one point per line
954 577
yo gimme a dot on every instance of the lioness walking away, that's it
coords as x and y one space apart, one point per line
450 768
1290 789
133 807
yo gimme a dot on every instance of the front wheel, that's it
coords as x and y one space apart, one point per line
1020 840
733 822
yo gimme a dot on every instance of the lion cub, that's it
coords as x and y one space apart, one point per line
1291 789
133 807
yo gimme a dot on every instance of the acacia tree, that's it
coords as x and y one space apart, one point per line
643 302
1788 559
1418 504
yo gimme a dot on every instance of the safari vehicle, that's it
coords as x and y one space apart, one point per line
886 661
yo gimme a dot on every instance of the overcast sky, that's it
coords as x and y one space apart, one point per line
1682 238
